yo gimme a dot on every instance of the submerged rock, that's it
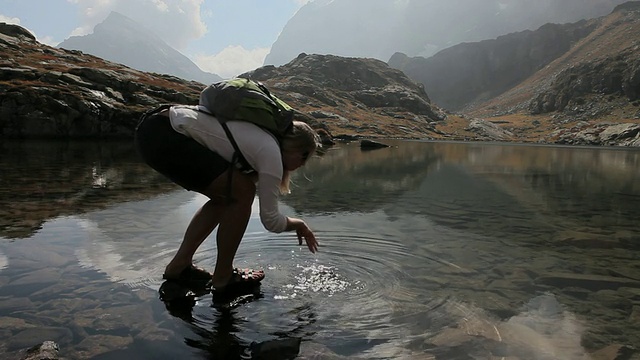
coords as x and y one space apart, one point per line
48 350
279 349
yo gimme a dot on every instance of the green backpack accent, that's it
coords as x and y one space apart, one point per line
247 100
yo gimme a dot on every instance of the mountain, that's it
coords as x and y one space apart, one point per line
380 28
59 93
473 72
353 96
120 39
569 81
54 92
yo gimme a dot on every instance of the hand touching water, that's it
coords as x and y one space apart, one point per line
303 232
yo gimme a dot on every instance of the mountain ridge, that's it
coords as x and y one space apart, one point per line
572 92
122 40
417 27
55 92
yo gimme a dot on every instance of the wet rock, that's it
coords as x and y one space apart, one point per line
325 138
279 349
48 350
370 144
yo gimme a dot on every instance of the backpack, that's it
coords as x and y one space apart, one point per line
248 100
243 99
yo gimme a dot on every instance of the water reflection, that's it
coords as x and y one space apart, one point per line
525 179
218 330
44 180
348 179
428 250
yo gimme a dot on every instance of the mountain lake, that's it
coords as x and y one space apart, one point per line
429 250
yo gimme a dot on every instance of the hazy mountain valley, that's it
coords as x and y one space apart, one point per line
574 83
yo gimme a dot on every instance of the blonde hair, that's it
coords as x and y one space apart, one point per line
301 138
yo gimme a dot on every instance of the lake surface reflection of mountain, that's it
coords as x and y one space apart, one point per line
428 251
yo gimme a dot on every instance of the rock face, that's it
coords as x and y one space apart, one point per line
122 40
568 82
364 95
560 65
590 89
476 72
49 92
615 76
52 92
601 134
17 32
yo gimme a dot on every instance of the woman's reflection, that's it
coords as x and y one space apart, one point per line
222 341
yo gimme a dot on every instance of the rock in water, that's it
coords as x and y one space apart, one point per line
370 144
48 350
280 349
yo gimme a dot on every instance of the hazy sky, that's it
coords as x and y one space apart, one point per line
226 37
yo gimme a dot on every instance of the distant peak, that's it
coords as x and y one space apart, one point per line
115 17
116 23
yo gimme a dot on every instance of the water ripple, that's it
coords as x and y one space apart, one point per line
353 288
347 265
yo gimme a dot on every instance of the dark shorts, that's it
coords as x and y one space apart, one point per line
180 158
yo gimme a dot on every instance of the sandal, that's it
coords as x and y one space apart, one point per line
191 273
242 279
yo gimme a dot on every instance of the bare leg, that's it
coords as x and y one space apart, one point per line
201 225
228 238
233 219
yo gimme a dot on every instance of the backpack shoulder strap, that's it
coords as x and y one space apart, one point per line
238 160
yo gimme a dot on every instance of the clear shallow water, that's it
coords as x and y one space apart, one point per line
429 251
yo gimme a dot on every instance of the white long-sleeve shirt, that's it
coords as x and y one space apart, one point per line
257 145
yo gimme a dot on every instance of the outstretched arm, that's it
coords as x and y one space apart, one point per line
303 232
